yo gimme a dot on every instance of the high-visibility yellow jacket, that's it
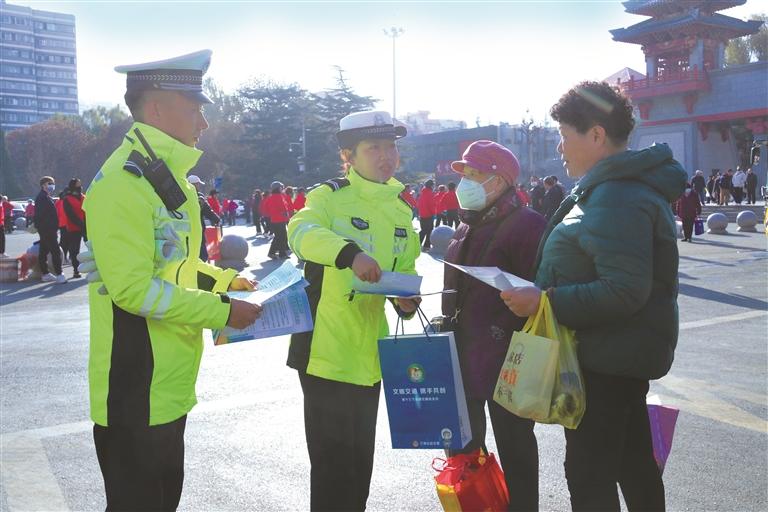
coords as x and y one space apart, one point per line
341 218
146 332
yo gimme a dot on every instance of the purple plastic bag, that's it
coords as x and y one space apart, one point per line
663 420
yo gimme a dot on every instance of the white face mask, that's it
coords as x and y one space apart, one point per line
471 194
50 188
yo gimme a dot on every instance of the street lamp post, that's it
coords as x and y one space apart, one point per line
530 130
303 143
394 33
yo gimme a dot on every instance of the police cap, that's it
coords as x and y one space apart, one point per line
182 74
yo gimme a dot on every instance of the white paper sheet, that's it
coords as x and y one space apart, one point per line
281 278
492 276
285 313
391 284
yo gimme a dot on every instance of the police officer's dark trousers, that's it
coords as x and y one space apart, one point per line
340 426
611 445
143 467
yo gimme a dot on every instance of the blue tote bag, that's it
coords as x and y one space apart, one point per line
424 392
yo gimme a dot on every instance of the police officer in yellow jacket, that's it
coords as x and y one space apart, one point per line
152 295
356 225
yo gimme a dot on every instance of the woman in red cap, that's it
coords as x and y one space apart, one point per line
495 230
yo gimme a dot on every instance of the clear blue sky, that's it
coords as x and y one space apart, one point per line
459 60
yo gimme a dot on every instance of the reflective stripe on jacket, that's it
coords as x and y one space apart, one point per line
343 346
146 332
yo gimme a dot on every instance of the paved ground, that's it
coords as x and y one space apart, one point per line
245 441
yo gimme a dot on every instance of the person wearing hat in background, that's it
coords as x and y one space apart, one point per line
609 264
205 213
150 294
72 205
496 230
353 226
278 208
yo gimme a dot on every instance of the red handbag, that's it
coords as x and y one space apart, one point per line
471 483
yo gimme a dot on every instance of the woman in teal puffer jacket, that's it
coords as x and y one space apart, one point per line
609 264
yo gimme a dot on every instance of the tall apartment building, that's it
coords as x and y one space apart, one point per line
38 70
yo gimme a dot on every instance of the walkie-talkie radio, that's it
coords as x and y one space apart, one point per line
160 177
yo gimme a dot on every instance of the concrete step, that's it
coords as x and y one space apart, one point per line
732 211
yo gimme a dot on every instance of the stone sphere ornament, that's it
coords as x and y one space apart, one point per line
747 220
234 250
440 238
717 224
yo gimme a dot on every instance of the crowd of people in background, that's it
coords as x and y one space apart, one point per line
59 221
270 210
721 187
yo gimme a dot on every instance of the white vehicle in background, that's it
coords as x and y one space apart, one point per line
240 212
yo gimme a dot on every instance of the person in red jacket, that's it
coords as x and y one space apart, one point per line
439 211
300 201
426 207
450 205
8 214
213 202
72 204
523 196
408 196
688 207
63 242
2 232
29 212
277 207
264 216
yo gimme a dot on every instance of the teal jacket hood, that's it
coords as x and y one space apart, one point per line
653 166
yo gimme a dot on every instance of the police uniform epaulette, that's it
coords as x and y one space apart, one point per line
337 184
135 164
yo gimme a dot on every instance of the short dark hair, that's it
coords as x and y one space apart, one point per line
135 102
596 103
451 186
550 180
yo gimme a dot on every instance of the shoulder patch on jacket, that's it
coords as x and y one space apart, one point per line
360 223
337 183
135 164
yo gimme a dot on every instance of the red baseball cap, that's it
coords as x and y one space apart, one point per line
491 158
